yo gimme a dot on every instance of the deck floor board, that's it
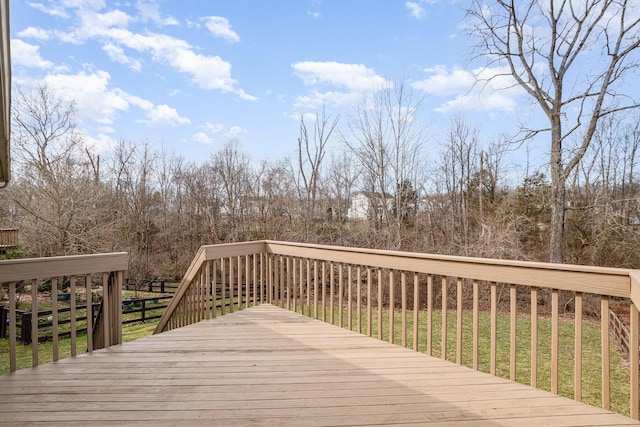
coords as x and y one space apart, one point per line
268 366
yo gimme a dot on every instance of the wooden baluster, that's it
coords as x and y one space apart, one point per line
577 344
534 337
72 315
288 281
315 288
476 323
34 323
554 340
633 363
223 285
459 321
392 303
294 274
416 310
380 326
331 293
369 316
207 274
279 277
349 300
403 304
106 317
359 299
254 281
604 332
308 287
12 328
301 286
89 297
214 288
494 326
430 315
512 332
54 315
340 293
247 281
443 335
324 292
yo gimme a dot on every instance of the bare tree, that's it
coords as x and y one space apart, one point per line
65 208
387 138
311 152
572 58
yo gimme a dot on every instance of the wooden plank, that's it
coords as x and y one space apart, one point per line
267 366
34 322
44 268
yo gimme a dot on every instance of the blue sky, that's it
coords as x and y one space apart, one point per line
190 75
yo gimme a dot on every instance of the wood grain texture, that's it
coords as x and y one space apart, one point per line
268 366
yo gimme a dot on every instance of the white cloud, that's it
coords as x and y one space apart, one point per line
234 132
27 55
91 93
355 77
352 80
206 72
208 135
482 89
98 102
415 9
441 81
165 116
202 138
150 11
220 27
214 127
116 53
418 8
34 33
52 10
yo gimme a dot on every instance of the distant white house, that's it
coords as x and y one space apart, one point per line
366 205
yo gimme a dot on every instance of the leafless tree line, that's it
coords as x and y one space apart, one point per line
160 207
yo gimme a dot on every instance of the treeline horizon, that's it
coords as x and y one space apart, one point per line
160 207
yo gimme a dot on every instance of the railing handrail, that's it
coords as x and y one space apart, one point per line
207 253
589 279
73 265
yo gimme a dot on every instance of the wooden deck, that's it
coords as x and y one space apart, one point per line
268 366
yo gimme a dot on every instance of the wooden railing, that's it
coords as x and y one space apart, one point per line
80 274
374 291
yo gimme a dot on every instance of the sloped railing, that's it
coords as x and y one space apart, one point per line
80 275
374 291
